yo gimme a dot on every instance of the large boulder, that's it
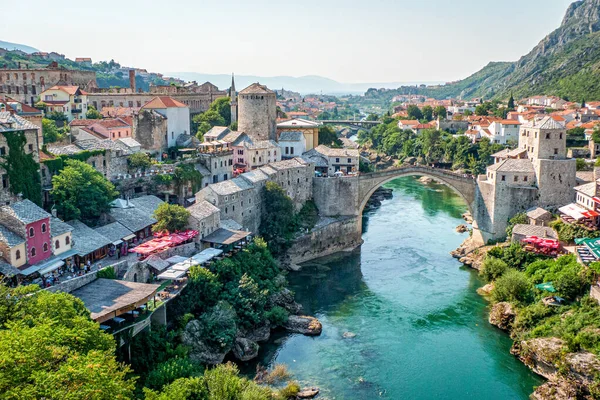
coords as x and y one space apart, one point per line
261 333
303 324
541 355
558 390
285 298
582 366
307 393
502 315
245 349
199 351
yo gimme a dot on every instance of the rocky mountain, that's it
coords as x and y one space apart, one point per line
565 63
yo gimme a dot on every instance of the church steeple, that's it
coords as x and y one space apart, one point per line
233 100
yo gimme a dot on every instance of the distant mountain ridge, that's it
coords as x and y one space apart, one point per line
565 63
16 46
310 84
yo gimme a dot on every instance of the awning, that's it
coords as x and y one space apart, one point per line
117 242
175 259
206 255
53 266
129 237
596 199
548 287
591 214
226 236
573 210
171 274
67 254
184 266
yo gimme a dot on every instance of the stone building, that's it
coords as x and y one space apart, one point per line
197 98
10 124
177 115
292 144
204 218
257 112
328 161
309 129
150 129
25 85
215 163
545 178
31 114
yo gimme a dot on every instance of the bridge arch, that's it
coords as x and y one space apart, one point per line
463 185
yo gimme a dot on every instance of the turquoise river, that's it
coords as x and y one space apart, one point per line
421 329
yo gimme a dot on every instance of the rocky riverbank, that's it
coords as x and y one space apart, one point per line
377 198
246 344
570 375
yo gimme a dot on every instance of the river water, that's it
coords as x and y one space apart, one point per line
421 329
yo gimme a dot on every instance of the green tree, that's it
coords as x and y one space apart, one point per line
278 223
203 127
583 105
514 287
57 116
520 218
22 169
467 113
139 160
328 137
511 102
49 348
440 112
92 113
81 192
492 268
427 112
171 370
223 107
580 164
371 117
414 112
50 131
481 110
170 217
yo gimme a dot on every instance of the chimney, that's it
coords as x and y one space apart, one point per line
132 80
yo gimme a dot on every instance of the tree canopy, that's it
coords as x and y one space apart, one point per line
92 113
22 169
49 348
81 192
170 217
328 137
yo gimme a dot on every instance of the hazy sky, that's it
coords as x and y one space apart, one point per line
346 40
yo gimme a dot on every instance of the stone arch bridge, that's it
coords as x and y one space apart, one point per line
464 185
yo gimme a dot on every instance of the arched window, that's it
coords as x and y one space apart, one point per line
43 228
33 252
31 232
45 247
57 245
67 240
18 254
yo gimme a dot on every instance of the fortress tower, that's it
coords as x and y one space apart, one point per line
257 112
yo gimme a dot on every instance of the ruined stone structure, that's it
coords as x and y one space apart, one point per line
150 129
257 112
25 85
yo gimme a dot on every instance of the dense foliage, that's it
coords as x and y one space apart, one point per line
218 114
569 232
430 146
51 132
139 160
170 218
328 136
81 192
49 348
520 218
22 169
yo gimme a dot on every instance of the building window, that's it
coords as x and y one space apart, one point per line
18 254
337 160
287 150
57 245
525 179
349 161
67 240
226 210
291 150
43 228
31 232
30 147
547 136
555 151
5 181
2 151
33 252
516 178
45 247
536 135
503 177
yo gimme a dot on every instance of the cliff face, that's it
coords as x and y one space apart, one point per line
565 63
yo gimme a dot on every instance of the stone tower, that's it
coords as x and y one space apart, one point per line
257 112
233 103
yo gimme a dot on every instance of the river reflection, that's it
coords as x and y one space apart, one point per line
421 330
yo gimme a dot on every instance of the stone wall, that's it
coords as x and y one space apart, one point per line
76 283
328 237
257 116
336 196
556 180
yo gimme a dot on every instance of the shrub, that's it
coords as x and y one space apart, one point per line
517 219
514 255
277 315
569 232
513 287
492 269
171 370
218 326
279 373
289 391
107 273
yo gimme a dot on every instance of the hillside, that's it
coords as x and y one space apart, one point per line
565 63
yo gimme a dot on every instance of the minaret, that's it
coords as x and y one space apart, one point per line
233 101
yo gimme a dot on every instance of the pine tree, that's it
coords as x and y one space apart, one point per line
511 102
583 103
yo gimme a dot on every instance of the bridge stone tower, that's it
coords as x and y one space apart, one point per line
257 112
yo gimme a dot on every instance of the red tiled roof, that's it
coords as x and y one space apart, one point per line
83 122
71 90
111 122
164 102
